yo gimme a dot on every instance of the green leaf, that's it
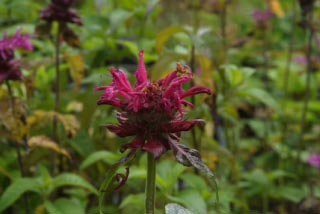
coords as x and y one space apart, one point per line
176 209
169 178
65 206
117 17
233 74
105 156
195 181
165 34
51 208
134 199
191 199
263 97
132 47
16 189
291 193
68 179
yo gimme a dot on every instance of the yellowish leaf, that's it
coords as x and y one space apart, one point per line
77 67
206 66
75 106
69 121
45 142
276 7
12 123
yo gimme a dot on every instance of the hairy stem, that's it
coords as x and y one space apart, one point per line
150 184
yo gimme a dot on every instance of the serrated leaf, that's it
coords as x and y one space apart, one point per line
165 34
188 157
176 209
105 156
45 142
68 179
77 67
16 189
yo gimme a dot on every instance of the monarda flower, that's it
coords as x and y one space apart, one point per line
262 17
152 111
59 10
9 66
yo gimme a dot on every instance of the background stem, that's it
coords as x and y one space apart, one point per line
150 184
16 145
57 98
309 33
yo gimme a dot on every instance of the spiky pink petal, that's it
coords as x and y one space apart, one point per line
141 73
195 90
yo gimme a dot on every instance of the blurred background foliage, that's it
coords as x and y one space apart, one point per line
255 138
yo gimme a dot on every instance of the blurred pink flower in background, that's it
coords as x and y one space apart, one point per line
314 160
9 66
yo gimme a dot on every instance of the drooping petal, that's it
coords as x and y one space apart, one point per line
114 101
175 86
141 73
121 130
196 90
184 102
179 126
167 80
136 143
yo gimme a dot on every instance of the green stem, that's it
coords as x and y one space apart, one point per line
150 184
57 97
310 33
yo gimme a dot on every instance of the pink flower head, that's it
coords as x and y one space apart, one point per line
300 59
9 66
314 160
262 16
150 111
59 10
